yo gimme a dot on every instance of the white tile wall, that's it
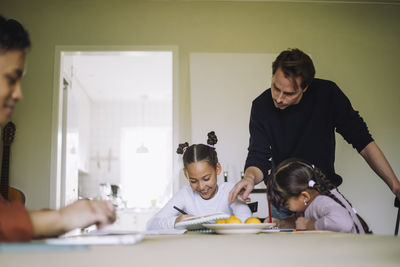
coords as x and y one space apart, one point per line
107 120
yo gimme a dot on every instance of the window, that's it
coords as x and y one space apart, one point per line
104 105
146 166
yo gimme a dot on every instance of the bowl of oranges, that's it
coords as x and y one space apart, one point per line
233 225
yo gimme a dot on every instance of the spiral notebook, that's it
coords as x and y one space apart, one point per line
196 223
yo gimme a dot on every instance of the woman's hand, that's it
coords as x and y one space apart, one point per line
80 214
83 213
305 224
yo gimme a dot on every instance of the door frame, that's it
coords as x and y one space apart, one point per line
57 168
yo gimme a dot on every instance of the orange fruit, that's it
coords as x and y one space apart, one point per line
252 220
220 221
233 219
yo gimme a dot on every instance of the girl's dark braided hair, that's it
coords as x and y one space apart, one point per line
181 148
292 176
200 152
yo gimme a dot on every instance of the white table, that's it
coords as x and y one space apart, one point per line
195 249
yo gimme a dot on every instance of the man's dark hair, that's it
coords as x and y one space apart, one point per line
295 63
13 36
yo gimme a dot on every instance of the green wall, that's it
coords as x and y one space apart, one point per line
356 45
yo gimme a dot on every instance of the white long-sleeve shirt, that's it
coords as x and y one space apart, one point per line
192 203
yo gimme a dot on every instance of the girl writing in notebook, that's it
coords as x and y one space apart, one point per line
204 195
304 189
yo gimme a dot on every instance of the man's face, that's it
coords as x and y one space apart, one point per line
12 65
283 90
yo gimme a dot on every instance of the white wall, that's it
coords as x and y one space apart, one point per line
107 120
223 86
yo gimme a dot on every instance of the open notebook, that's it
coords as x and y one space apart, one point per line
195 223
101 239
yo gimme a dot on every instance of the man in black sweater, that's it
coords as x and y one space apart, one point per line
297 117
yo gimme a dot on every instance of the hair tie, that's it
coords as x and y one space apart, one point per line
184 149
210 146
311 183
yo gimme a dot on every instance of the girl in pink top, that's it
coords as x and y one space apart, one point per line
304 189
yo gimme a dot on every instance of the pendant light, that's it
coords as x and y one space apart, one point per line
142 148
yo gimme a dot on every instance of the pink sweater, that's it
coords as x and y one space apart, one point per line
330 215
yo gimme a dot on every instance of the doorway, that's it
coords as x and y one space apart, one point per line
115 124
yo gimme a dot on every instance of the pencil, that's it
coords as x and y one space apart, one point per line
178 209
269 211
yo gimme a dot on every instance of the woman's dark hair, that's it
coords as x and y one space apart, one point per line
292 176
13 36
200 152
295 63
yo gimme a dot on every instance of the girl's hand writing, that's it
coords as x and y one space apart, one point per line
181 217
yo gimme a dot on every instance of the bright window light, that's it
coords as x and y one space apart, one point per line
146 166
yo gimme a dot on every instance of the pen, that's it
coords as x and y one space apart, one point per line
178 209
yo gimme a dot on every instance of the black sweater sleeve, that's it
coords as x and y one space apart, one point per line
259 150
348 121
